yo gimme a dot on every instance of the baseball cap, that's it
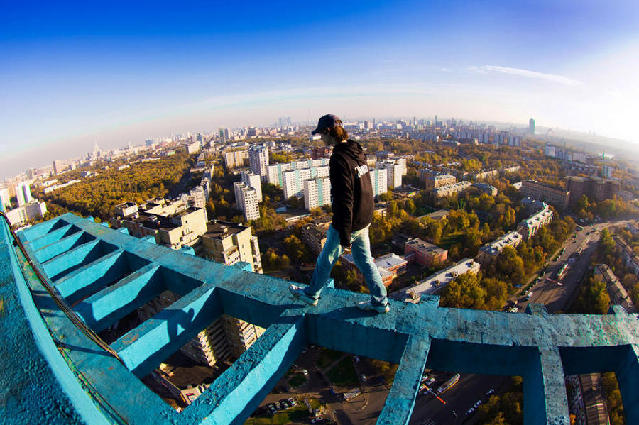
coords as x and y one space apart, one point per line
327 121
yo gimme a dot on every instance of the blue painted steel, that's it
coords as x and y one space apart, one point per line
104 308
538 346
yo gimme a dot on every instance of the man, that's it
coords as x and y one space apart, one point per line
352 214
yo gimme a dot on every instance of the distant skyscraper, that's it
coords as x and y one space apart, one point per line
531 126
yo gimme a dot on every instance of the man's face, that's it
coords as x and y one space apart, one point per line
327 139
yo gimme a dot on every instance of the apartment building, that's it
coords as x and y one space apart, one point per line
630 259
434 180
230 243
379 180
293 182
314 235
246 200
394 173
490 251
618 294
486 188
435 282
253 180
317 192
451 189
26 212
235 158
424 253
531 225
275 173
555 196
595 188
182 228
258 159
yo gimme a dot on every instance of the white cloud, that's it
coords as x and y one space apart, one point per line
560 79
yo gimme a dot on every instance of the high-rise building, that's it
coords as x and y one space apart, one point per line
253 180
275 173
224 134
293 182
246 200
531 126
231 243
394 173
31 211
379 181
258 159
317 192
23 194
235 158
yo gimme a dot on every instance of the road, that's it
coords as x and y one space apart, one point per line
470 388
556 295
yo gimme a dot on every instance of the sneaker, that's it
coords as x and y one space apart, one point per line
299 293
368 306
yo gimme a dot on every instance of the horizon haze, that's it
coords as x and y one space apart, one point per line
80 73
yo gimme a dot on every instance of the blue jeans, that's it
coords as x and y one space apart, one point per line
361 250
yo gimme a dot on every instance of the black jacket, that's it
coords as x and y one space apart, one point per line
351 190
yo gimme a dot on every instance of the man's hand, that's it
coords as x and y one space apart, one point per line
347 249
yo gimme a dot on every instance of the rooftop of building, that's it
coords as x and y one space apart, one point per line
390 260
423 245
220 229
73 255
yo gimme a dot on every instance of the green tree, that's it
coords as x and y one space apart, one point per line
510 266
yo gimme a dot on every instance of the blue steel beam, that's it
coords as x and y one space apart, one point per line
401 398
61 246
92 276
142 349
53 236
104 308
538 346
240 389
69 259
40 229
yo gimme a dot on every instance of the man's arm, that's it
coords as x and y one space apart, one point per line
341 177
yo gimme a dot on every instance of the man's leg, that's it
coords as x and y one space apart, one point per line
325 262
361 249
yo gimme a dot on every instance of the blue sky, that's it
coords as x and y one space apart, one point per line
113 72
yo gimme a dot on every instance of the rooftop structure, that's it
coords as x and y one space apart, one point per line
450 189
486 188
630 258
113 274
424 253
434 180
489 252
435 282
618 294
531 225
555 196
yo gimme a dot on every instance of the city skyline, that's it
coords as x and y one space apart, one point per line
80 74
